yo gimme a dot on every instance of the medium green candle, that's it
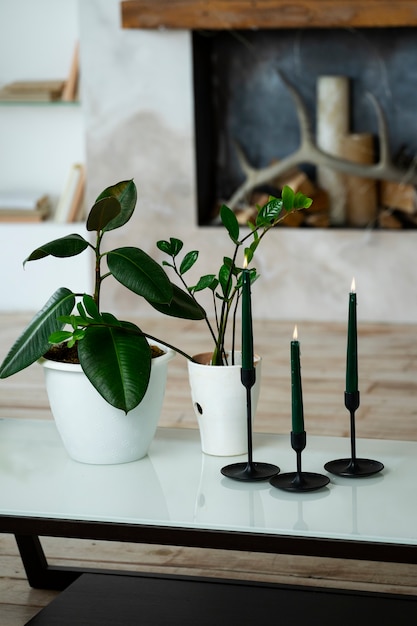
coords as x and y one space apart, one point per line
247 330
296 390
352 345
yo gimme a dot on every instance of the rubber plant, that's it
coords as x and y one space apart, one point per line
114 354
226 284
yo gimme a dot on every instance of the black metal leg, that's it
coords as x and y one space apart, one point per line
40 575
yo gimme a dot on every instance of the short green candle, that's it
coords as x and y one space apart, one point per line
247 330
296 390
352 345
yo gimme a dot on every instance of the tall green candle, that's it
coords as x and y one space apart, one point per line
247 330
296 390
352 345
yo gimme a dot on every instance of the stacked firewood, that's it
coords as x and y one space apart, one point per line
395 205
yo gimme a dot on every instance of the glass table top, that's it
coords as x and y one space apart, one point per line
177 485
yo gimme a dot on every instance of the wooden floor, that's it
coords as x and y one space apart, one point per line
388 385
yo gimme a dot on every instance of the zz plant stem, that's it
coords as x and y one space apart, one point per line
226 284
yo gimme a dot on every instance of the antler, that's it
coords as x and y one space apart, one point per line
309 152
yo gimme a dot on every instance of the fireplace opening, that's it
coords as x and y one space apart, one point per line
243 102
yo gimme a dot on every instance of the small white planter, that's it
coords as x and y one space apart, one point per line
92 430
219 401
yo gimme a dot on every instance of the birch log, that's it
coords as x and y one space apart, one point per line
332 126
361 193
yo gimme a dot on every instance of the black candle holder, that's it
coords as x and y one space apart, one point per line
249 470
299 480
353 467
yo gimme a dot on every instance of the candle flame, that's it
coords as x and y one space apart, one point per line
245 262
295 333
353 286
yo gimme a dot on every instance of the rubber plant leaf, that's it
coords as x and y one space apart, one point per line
137 271
71 245
182 305
126 193
117 362
103 212
34 341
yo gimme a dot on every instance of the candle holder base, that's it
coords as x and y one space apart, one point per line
354 468
300 481
250 471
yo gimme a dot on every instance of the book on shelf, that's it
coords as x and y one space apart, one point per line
70 90
32 91
71 201
24 207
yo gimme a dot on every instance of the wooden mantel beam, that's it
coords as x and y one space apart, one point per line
248 14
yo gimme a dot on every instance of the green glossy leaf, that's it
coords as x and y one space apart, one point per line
117 362
270 212
91 307
301 201
188 261
225 279
288 197
253 245
171 247
137 271
228 262
102 213
60 336
34 341
71 245
230 222
82 312
249 254
182 305
205 282
126 193
73 320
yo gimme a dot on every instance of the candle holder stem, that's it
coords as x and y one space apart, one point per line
352 402
299 480
298 461
248 381
249 471
353 467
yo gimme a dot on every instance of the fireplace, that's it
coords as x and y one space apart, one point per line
242 100
137 92
242 105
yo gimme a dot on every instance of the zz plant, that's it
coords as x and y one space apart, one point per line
226 284
114 354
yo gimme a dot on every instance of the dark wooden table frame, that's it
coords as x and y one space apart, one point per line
40 574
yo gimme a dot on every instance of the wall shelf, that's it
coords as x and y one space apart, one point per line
242 14
36 103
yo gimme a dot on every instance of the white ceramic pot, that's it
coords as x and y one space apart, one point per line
92 430
219 401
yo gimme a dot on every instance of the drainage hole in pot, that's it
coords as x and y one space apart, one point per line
199 408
